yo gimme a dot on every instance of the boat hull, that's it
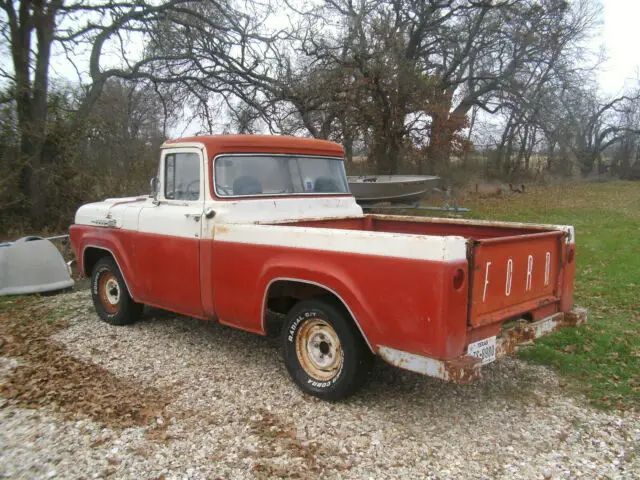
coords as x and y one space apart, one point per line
391 188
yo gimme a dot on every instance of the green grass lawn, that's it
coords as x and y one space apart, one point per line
601 358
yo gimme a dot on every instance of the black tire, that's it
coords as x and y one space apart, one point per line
110 296
331 371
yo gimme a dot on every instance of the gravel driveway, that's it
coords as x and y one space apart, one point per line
232 412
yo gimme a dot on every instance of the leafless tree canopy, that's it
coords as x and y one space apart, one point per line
408 84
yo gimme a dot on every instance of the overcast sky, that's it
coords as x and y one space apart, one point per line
621 40
618 38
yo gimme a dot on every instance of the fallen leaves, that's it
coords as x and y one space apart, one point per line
281 439
49 376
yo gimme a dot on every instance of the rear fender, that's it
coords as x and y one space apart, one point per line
329 277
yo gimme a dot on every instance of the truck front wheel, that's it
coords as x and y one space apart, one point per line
324 352
110 296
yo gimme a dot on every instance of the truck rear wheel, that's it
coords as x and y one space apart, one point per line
110 296
324 352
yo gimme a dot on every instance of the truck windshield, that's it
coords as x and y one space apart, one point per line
247 175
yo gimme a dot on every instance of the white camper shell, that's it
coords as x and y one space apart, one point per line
32 265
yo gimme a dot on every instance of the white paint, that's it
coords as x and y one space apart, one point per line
177 145
176 218
271 210
416 247
123 210
415 363
547 268
529 273
507 287
486 281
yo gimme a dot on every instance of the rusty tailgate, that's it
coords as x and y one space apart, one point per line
514 275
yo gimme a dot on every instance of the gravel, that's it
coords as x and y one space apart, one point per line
234 413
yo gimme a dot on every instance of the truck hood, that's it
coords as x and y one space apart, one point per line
111 212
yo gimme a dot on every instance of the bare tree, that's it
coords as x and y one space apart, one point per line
397 71
32 27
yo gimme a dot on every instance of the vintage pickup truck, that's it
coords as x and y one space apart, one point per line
247 230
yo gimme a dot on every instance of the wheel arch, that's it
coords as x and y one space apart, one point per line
303 289
91 254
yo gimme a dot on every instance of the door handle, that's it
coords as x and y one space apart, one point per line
195 216
209 213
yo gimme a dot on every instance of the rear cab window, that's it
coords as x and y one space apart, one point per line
272 175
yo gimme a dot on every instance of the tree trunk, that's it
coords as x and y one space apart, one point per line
439 149
443 128
348 150
551 156
31 98
385 152
386 143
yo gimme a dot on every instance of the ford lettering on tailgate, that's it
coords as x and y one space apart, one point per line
513 276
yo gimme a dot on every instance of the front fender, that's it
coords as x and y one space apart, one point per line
119 243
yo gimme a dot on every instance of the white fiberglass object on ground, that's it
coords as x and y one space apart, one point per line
32 265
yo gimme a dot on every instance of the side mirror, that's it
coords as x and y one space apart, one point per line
154 183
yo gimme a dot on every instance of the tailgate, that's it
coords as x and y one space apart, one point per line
514 275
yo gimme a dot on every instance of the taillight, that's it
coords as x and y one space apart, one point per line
458 279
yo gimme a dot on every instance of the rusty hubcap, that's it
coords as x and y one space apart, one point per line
109 291
319 350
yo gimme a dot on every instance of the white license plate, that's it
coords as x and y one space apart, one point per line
484 349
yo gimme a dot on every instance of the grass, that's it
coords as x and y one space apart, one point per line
601 358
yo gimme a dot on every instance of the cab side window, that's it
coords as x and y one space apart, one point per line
182 176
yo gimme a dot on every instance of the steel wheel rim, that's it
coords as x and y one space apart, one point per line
319 350
109 291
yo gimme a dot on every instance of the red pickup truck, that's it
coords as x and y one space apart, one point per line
241 226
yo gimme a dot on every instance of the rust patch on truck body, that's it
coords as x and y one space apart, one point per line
466 369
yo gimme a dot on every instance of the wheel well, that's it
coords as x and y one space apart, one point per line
91 257
284 294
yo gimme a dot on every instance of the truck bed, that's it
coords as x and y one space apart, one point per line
513 269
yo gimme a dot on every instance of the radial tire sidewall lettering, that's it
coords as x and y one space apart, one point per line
291 339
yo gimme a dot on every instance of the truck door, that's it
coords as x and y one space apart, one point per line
168 240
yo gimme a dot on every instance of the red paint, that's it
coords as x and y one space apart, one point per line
118 242
417 226
409 305
401 303
504 281
568 275
159 270
171 267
